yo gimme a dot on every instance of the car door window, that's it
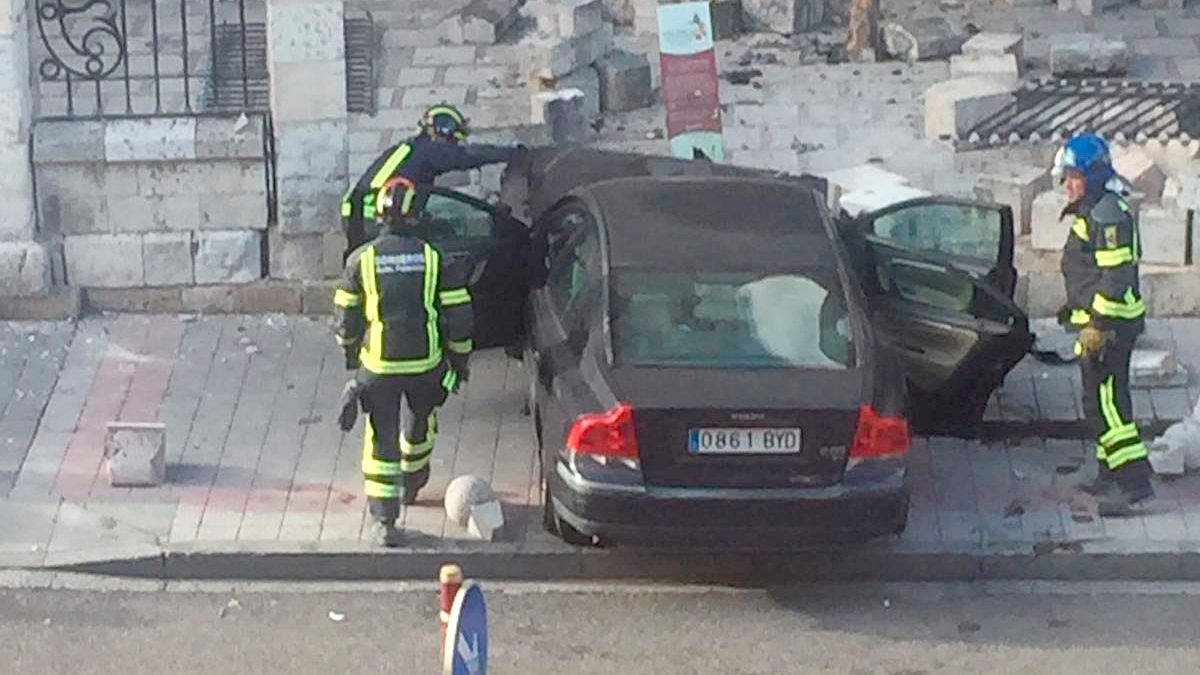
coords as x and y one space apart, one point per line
456 224
961 230
574 262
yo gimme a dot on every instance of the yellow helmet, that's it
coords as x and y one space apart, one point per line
386 201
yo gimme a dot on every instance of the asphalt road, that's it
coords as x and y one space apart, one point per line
858 630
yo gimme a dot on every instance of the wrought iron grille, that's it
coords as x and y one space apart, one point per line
360 63
135 58
1125 110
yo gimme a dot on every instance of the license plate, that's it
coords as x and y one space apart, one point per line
734 441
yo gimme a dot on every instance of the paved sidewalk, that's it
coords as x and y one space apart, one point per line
261 482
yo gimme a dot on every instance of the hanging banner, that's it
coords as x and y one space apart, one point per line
689 80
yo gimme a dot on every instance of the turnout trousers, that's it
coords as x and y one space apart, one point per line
1108 407
401 429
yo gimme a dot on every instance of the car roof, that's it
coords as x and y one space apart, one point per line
712 223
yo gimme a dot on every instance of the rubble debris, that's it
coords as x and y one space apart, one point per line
922 39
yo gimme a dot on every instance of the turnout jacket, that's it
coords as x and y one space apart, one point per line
1100 263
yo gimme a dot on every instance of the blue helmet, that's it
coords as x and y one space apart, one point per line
1089 155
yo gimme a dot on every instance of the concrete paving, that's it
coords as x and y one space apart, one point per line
261 483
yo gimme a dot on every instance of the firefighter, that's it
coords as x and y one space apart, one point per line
1105 306
404 321
436 149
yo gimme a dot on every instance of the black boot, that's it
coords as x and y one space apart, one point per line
411 484
1100 484
384 533
1129 487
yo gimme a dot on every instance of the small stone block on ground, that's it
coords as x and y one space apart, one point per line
625 82
1002 66
563 113
783 16
1154 368
1164 235
727 18
1017 188
135 454
588 81
996 44
1049 229
1088 54
924 39
954 107
1133 163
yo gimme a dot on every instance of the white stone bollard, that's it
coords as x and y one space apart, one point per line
471 503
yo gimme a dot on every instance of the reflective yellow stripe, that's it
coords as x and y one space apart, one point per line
343 298
462 346
1078 348
1114 257
1123 204
449 380
1115 436
1080 228
433 266
347 209
410 367
380 490
1132 308
1124 456
1108 406
1100 453
447 110
454 296
1080 317
377 467
389 167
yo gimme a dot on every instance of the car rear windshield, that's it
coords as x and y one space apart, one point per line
731 320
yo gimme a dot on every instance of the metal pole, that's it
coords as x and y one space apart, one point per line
450 579
187 85
125 33
154 49
245 66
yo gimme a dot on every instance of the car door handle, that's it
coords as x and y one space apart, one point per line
912 348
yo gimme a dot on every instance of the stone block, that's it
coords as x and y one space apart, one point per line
308 92
150 140
68 141
567 18
625 82
1046 293
268 297
135 454
296 256
157 300
234 212
24 269
1088 54
552 58
996 44
1047 226
333 246
71 215
586 80
563 112
225 138
1000 66
1089 7
305 32
167 258
1164 235
104 260
154 213
221 299
471 503
1161 4
228 257
499 15
1017 188
954 107
1153 367
922 39
728 18
1133 163
783 16
316 298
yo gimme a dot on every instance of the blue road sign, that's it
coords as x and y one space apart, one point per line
465 651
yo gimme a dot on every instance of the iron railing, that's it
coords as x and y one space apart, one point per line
138 58
1051 109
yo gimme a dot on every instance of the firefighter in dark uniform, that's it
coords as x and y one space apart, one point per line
405 323
1105 306
435 150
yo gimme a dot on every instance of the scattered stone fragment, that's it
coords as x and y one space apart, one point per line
922 39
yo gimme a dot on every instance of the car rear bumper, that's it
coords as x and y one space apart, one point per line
857 510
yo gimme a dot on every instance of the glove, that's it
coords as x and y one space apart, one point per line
348 407
1064 315
1092 339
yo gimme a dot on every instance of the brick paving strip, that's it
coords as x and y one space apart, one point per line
261 484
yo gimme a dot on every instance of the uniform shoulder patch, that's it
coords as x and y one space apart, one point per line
1110 236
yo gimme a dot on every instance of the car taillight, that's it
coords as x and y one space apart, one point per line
879 435
609 434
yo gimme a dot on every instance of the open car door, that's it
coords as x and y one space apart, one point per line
493 245
939 276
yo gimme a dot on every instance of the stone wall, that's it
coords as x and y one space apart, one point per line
153 202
